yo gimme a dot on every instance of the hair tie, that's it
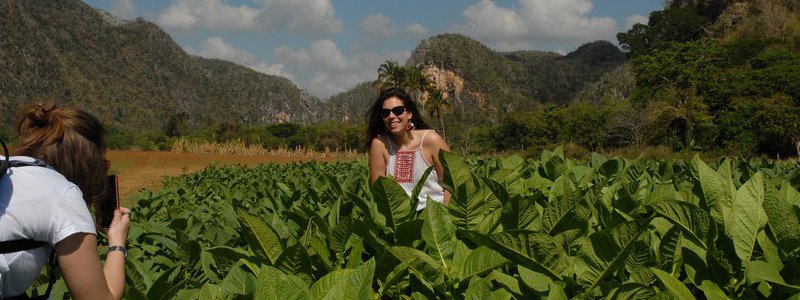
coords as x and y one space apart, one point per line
40 115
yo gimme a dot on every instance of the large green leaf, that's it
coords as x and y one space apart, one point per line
675 287
695 222
239 282
759 271
456 175
276 285
439 234
473 205
712 290
535 280
261 238
295 260
605 251
717 191
748 217
419 262
479 261
782 220
479 289
339 236
418 188
534 250
346 283
553 166
630 291
518 212
392 201
565 209
210 291
670 250
510 283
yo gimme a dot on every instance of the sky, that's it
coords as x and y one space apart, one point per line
329 46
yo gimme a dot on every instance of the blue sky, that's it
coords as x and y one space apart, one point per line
329 46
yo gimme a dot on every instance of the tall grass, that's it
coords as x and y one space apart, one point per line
238 147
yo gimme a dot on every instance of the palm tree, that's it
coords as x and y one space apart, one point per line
390 74
438 104
417 85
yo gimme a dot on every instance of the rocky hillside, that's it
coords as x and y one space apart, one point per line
135 77
474 76
512 80
131 73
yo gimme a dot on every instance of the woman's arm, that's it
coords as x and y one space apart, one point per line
80 263
377 161
434 143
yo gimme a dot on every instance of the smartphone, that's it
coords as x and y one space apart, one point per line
109 203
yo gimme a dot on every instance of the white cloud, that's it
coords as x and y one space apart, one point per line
123 9
326 56
216 47
416 29
194 14
299 57
276 69
323 55
310 17
631 20
535 21
324 69
378 25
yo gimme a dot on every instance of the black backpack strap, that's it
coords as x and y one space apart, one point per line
35 163
52 274
19 245
4 163
22 245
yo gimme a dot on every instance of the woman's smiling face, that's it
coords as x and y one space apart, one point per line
395 124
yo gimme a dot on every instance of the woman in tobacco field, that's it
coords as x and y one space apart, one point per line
402 145
57 173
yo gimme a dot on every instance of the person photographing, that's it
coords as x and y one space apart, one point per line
57 172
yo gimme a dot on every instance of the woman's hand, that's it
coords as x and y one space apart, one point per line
117 233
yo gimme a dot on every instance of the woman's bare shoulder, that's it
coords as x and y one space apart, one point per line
434 139
378 143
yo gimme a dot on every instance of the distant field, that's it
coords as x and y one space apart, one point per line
139 170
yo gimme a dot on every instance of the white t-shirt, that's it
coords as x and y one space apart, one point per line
36 203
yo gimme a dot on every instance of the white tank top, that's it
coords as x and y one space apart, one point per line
407 167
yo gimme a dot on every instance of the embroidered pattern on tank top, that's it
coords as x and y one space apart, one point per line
404 166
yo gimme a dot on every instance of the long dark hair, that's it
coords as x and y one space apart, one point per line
375 125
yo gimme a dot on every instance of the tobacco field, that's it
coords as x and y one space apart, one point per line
548 228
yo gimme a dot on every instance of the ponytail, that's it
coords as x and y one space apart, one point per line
69 139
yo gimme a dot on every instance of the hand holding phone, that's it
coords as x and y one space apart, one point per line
109 203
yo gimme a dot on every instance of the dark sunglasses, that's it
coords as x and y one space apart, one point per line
397 110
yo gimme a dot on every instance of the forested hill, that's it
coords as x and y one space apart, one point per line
487 80
131 73
526 77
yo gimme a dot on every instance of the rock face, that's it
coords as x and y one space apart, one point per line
445 79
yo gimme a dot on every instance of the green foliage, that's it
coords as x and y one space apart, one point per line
741 96
581 123
523 131
515 228
675 24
